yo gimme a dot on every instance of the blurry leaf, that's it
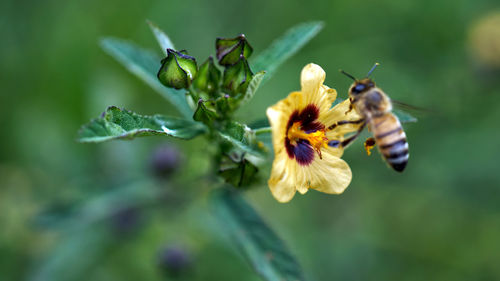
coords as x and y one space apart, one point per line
74 254
118 123
241 137
161 37
238 173
264 137
267 141
145 65
253 87
263 132
404 117
90 232
103 205
263 249
286 46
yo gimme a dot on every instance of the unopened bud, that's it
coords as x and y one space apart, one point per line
125 220
229 50
208 77
165 160
237 77
177 70
174 261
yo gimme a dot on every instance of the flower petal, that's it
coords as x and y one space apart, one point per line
302 152
329 175
338 113
311 80
328 96
278 116
282 180
302 188
334 150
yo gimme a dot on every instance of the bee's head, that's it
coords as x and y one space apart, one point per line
360 86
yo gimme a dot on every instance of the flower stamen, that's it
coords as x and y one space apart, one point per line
316 139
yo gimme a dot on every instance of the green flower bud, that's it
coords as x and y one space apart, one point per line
204 114
208 77
237 77
229 50
225 104
177 70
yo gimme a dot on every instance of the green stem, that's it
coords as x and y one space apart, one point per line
262 130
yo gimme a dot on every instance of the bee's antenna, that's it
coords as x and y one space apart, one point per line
347 74
373 68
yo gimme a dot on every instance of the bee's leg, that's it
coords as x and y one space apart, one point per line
369 144
343 122
350 107
349 140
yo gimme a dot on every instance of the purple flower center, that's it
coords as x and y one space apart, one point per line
301 149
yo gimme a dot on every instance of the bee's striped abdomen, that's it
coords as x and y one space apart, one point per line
391 140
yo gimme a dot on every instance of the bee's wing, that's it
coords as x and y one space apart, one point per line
404 117
402 111
409 107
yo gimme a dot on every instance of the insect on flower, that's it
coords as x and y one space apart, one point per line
307 147
374 107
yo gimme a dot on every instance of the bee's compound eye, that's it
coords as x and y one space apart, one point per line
358 88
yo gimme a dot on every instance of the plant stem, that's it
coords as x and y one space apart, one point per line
262 130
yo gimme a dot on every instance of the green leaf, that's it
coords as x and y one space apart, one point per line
286 46
242 138
116 123
403 116
145 65
253 87
162 38
263 249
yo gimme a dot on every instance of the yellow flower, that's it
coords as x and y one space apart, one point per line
484 40
306 151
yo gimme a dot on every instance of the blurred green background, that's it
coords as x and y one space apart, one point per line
71 211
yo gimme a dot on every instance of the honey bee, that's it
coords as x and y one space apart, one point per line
375 109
